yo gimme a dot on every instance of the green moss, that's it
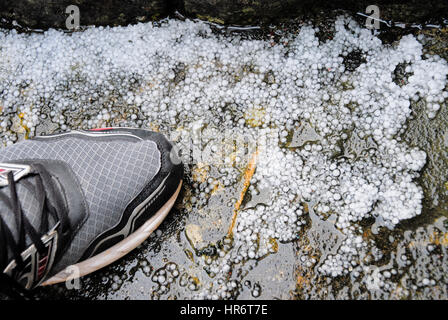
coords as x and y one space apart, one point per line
210 19
155 17
248 10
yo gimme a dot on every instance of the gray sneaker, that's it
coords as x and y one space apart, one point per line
74 202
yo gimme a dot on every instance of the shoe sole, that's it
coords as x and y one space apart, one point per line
118 250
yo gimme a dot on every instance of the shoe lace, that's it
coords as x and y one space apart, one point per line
56 210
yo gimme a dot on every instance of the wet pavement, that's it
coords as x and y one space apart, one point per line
413 255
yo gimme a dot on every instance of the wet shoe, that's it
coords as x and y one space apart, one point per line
83 199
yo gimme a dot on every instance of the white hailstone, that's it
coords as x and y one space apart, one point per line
337 196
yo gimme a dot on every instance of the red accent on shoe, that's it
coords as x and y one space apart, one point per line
42 266
100 129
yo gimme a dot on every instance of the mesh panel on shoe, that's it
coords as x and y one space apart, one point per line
28 203
111 174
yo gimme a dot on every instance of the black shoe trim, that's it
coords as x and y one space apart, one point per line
57 177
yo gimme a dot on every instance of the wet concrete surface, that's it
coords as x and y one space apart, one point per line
413 255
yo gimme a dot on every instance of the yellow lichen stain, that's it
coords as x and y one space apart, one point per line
411 244
232 158
200 172
398 293
145 87
274 244
255 117
444 240
218 187
367 234
305 208
193 234
154 126
437 239
249 172
27 130
195 280
302 281
189 254
302 278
